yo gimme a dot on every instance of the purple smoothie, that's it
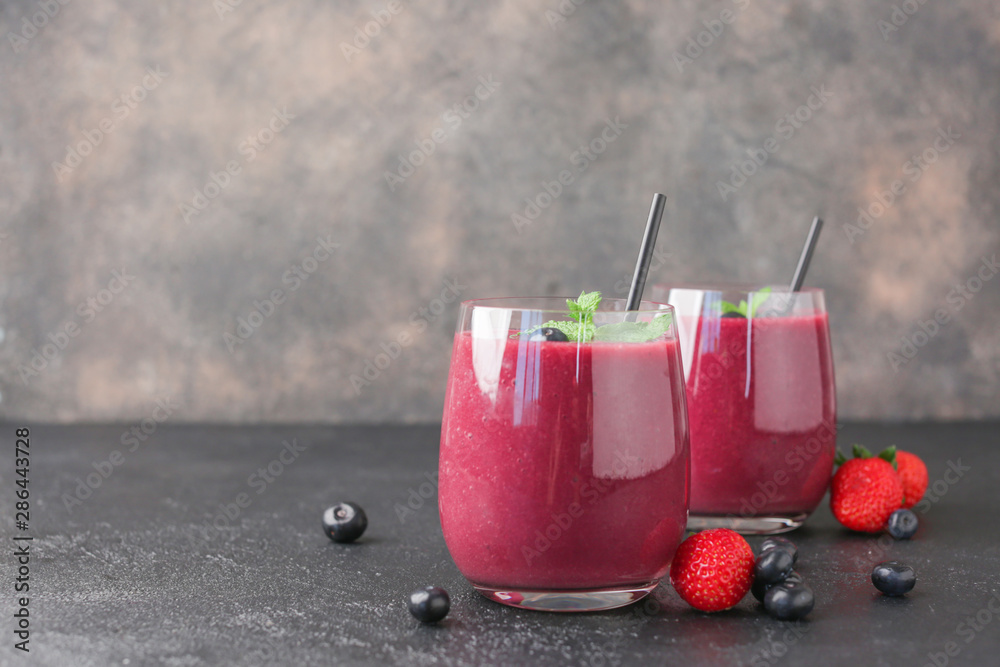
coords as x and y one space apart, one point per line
554 471
762 428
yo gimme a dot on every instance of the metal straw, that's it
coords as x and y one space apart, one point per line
645 252
807 253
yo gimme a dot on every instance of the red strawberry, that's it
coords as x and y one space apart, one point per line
713 570
866 490
913 473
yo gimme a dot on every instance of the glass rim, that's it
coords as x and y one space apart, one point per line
523 304
723 288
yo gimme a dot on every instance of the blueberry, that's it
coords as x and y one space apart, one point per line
894 578
789 601
429 604
548 334
773 566
760 589
733 313
344 522
780 543
902 524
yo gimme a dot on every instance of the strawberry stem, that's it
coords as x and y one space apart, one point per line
889 454
861 452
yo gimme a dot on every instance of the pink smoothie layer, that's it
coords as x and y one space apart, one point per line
763 448
563 466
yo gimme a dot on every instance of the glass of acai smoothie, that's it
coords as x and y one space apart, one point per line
564 450
761 402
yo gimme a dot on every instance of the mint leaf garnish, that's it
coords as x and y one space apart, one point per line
634 332
660 325
582 329
622 332
586 305
730 308
582 310
756 299
744 308
580 333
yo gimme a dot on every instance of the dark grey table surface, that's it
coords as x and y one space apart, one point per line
136 573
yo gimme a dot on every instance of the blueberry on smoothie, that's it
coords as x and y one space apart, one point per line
548 334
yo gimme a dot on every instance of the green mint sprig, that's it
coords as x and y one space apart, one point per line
635 332
745 308
583 330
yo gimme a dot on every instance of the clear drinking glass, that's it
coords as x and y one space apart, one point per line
761 402
564 466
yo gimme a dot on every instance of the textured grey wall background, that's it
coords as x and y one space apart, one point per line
146 105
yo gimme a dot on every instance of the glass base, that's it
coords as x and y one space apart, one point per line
572 600
754 525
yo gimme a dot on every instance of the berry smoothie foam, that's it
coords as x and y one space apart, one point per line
762 425
563 465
